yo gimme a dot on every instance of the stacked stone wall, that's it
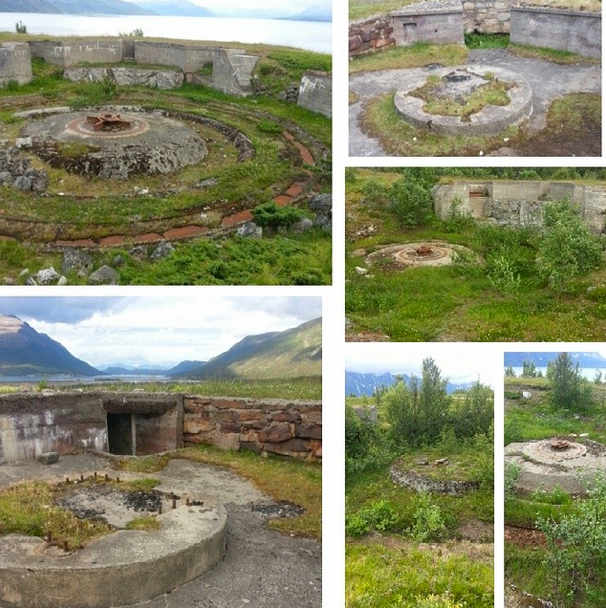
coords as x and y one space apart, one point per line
289 428
370 35
487 16
15 63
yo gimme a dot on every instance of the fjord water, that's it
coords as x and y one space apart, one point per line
309 35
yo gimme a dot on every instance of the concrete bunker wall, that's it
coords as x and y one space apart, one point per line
148 423
519 202
289 428
575 31
232 69
65 54
315 92
435 22
32 423
445 21
15 63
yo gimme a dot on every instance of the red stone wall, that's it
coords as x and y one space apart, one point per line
289 428
375 34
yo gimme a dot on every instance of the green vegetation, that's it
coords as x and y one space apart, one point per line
280 478
279 69
83 207
474 40
20 27
494 93
418 55
306 388
146 523
509 284
363 8
419 423
553 55
560 555
136 33
28 508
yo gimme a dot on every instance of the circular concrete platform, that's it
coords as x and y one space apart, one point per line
490 120
150 144
427 253
126 567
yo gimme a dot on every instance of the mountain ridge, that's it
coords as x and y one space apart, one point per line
24 351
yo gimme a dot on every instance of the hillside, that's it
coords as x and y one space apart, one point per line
358 384
24 351
292 353
73 7
179 8
27 6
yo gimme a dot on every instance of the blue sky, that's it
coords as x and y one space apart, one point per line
458 362
160 330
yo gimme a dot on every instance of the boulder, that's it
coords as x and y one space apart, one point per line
46 276
163 250
104 276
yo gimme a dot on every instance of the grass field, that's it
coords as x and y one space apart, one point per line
458 302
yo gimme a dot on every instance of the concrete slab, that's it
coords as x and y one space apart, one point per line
548 82
272 569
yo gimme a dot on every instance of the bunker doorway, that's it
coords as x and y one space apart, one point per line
121 437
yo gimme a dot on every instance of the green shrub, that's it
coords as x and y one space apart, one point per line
511 474
410 202
566 249
428 520
374 192
20 27
378 516
270 214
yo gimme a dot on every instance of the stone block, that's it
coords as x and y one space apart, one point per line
308 431
48 457
276 433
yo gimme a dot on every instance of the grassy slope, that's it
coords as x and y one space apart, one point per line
295 259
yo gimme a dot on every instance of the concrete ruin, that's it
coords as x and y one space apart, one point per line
15 63
446 22
458 85
565 30
228 70
315 92
148 423
518 202
420 482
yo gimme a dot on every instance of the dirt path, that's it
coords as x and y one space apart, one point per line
548 81
262 567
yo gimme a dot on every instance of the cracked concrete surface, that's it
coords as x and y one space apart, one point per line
548 81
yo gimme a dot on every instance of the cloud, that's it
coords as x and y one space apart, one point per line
54 309
458 363
155 330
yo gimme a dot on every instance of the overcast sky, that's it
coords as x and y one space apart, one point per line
158 331
458 363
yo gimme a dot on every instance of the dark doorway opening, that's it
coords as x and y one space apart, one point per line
120 434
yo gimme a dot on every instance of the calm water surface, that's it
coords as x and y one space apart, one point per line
309 35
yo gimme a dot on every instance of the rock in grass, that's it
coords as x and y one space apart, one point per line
104 276
250 230
74 259
46 276
163 250
48 457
